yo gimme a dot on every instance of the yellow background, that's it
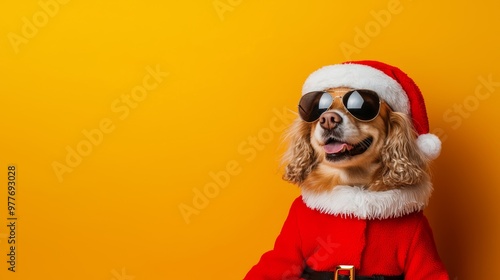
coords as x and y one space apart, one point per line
234 67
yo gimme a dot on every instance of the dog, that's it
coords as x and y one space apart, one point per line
360 153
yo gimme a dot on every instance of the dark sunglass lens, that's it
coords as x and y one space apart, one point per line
313 104
362 104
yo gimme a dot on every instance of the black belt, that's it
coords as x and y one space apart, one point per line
310 274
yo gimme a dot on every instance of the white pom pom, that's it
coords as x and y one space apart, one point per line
430 145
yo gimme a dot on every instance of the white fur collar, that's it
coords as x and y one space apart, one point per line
358 202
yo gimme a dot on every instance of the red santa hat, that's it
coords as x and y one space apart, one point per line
392 85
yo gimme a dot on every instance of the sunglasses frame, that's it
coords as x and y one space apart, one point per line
342 98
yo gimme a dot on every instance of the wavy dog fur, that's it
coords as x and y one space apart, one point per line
300 158
402 162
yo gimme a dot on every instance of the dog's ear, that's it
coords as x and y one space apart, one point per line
402 162
300 158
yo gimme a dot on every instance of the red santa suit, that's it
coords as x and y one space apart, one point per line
380 233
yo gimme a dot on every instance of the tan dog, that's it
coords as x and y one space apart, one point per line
360 153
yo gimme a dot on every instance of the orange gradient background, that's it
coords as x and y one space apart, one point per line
229 72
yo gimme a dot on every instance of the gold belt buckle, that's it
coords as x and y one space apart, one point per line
349 268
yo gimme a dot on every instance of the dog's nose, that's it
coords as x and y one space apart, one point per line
329 120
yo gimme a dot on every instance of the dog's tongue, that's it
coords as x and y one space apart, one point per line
336 147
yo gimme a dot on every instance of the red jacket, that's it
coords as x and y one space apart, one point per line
391 246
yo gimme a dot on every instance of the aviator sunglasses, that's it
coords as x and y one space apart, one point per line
362 104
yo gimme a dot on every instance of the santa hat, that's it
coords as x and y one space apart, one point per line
391 84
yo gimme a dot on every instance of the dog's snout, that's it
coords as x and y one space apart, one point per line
330 120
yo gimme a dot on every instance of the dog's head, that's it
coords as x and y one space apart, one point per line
378 151
361 146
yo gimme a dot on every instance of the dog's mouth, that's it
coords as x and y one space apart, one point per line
338 150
